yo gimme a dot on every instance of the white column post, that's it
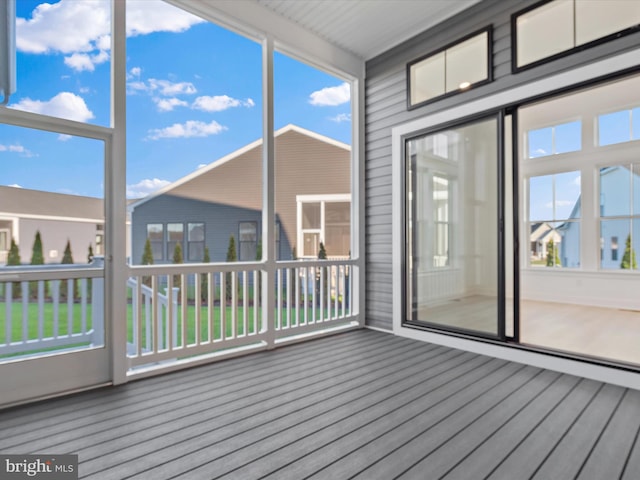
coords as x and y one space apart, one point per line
268 301
358 195
115 203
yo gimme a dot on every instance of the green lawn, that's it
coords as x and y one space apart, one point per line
251 326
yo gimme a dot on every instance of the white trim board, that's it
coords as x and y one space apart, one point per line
617 63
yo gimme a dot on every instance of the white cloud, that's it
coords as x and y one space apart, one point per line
134 72
64 138
168 104
73 27
161 87
191 128
84 61
148 16
341 117
63 105
19 149
15 185
331 96
166 87
202 165
145 187
219 103
64 27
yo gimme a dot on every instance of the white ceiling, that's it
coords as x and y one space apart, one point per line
366 28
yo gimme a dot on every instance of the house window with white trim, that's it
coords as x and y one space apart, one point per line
324 219
248 241
175 235
195 242
155 234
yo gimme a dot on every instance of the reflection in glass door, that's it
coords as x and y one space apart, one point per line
452 237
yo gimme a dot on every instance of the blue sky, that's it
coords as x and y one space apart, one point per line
193 95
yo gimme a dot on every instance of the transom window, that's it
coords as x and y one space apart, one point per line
454 69
555 139
554 28
618 127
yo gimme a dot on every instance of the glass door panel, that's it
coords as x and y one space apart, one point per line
452 228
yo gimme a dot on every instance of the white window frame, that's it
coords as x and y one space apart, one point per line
322 200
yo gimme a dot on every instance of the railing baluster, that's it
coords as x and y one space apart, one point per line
296 275
211 279
256 301
55 294
83 301
198 306
154 314
223 306
185 313
234 303
245 303
41 308
288 287
25 311
170 321
8 305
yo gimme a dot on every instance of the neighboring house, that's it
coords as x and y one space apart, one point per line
313 202
58 217
616 221
541 233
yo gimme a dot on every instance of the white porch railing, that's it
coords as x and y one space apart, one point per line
51 307
174 312
216 307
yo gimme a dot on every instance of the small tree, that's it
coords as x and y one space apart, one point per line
147 259
13 259
67 259
553 257
232 256
177 258
37 258
629 257
37 254
204 278
259 251
90 254
321 278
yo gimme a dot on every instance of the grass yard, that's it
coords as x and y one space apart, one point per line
72 322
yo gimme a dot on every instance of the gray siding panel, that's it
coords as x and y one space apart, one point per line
385 107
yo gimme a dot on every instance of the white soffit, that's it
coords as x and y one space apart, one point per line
366 28
335 34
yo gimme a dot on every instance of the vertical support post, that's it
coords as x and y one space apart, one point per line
357 303
268 195
116 269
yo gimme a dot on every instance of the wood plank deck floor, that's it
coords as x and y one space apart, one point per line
362 404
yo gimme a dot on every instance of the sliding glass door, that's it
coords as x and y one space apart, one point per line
453 242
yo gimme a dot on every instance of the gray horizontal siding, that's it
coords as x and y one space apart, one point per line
385 108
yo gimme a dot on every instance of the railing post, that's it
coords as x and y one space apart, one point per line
97 304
